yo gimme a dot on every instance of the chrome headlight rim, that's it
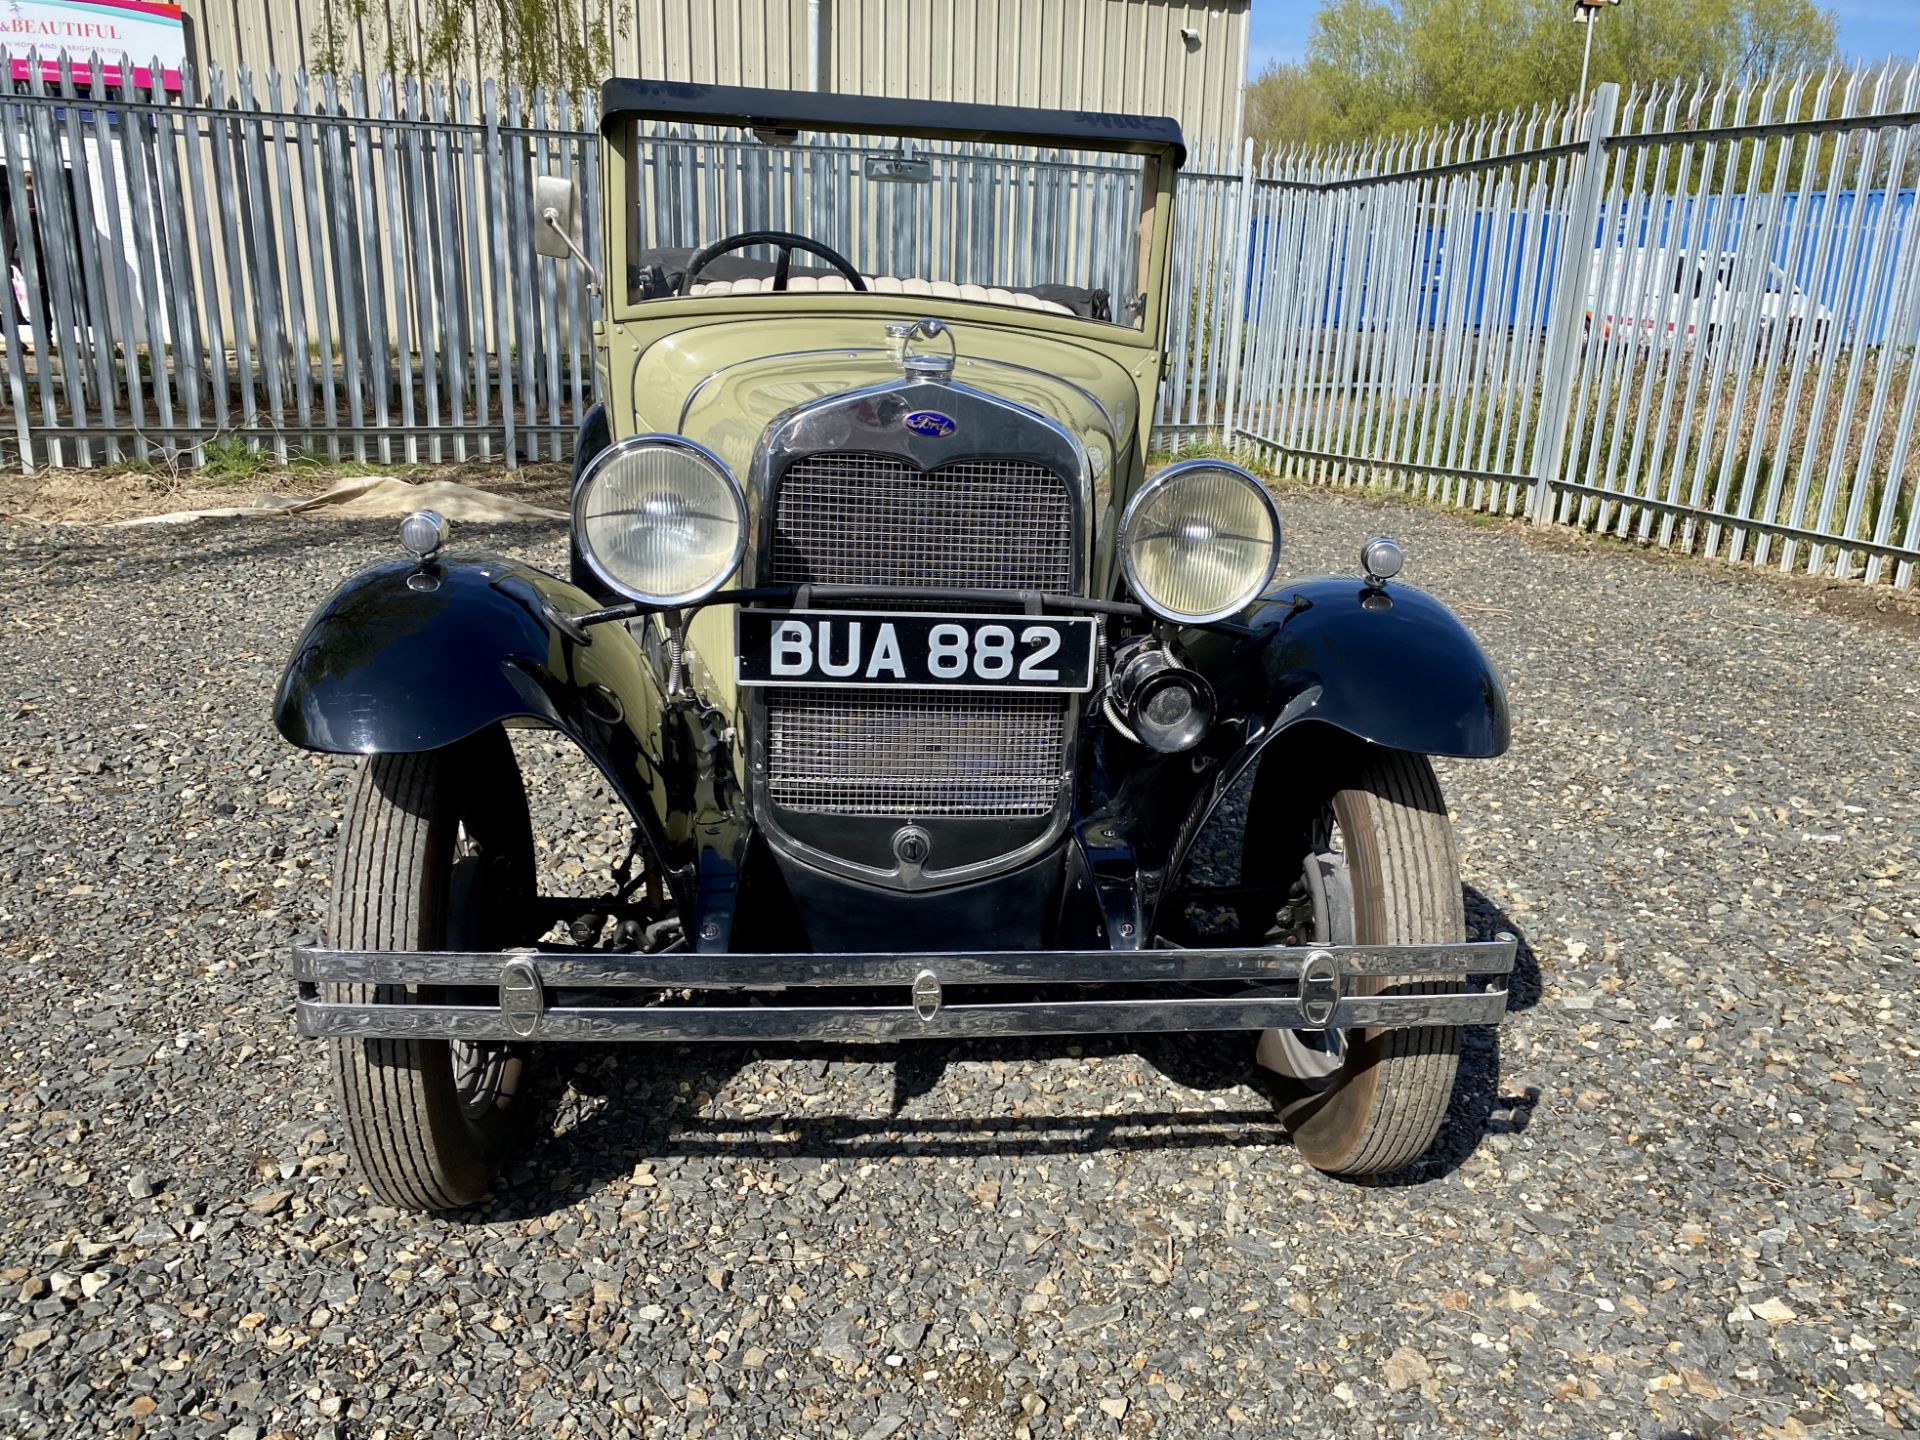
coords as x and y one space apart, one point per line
656 441
1153 486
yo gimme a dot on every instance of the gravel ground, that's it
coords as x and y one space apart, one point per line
1677 1196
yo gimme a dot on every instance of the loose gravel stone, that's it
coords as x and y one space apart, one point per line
1676 1195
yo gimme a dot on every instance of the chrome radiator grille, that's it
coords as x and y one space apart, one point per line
918 753
876 520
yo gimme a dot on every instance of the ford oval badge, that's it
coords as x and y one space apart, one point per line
930 423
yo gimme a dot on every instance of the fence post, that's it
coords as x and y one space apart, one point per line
505 322
1563 324
1240 274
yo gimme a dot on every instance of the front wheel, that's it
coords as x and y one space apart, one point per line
1375 866
436 853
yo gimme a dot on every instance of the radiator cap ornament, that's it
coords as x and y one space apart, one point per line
925 364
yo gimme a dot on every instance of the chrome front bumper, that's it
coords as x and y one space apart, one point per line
560 995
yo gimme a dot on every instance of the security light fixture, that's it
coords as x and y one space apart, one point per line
1585 12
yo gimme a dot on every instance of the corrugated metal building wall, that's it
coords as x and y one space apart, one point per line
1124 55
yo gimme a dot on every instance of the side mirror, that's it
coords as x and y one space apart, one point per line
556 217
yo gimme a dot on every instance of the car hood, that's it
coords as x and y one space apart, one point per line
723 384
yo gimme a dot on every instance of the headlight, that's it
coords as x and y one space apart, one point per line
1199 541
660 519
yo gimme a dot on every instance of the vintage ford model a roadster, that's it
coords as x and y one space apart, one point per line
918 686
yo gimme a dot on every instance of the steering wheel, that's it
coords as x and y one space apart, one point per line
785 240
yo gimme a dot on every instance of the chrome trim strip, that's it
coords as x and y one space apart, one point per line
582 969
901 1022
1119 436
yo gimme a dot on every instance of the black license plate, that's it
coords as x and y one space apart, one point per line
935 652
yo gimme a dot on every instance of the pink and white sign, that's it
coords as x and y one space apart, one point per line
128 36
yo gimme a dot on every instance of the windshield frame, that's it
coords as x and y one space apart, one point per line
627 104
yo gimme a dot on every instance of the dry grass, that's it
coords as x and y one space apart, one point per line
1674 424
94 496
1771 449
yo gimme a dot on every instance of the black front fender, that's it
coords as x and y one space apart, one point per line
1392 666
405 657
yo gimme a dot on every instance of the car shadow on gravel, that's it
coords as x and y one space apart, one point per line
610 1108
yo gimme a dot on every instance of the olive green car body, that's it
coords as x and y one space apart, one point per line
414 658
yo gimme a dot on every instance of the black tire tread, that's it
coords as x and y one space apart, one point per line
396 1097
1417 1064
1400 846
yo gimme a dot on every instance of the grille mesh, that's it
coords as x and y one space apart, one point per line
875 520
923 752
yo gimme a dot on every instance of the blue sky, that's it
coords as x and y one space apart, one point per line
1870 29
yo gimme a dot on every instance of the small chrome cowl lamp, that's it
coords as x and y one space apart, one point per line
422 534
1381 558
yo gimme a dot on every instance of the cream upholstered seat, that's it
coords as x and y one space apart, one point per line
886 285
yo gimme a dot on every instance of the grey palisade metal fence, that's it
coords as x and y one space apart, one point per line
306 265
1687 315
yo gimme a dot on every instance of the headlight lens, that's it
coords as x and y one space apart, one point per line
661 520
1199 541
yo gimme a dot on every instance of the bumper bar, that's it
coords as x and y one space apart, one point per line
1298 987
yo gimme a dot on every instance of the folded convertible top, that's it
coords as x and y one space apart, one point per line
877 114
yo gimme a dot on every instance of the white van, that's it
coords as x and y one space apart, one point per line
1676 296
